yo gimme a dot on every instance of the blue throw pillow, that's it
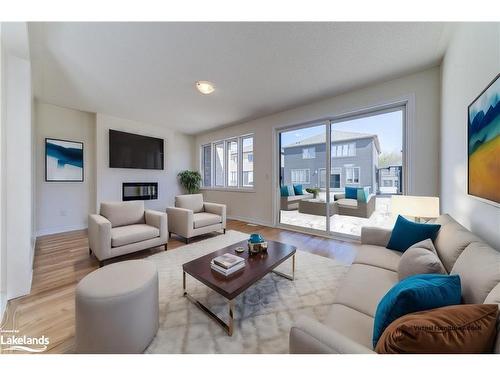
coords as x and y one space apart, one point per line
415 293
406 233
351 192
291 192
297 188
284 191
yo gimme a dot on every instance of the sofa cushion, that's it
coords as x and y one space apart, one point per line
128 234
415 293
479 270
451 240
477 334
406 233
363 194
351 192
347 202
494 297
193 202
204 219
351 323
297 189
378 256
420 258
123 213
355 293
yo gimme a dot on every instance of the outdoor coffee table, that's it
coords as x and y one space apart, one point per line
257 266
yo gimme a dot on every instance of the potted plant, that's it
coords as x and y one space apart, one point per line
190 180
313 191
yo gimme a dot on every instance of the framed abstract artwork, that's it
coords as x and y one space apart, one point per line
63 160
483 145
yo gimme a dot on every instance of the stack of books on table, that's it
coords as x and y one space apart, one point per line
227 264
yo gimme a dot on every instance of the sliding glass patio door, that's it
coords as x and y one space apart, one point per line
351 181
303 158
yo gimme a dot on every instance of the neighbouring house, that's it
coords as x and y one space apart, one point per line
389 179
354 161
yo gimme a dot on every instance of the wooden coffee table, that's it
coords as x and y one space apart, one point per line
257 266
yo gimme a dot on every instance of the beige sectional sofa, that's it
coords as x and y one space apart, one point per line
348 327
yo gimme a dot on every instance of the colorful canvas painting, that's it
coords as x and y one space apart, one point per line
484 144
63 160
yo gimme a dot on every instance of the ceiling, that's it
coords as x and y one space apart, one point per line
147 71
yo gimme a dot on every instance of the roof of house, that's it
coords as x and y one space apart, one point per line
337 136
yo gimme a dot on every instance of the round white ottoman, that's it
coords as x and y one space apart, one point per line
117 308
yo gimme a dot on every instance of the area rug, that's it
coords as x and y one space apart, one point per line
264 313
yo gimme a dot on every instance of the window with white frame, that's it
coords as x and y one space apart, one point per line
301 176
228 163
352 175
343 150
309 153
206 164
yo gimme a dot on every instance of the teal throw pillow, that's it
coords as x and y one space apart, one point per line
406 233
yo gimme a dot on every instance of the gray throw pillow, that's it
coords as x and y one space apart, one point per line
420 258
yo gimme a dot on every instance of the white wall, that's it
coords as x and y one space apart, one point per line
472 60
64 206
17 169
178 156
257 206
3 255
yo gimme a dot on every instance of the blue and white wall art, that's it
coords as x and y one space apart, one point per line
63 160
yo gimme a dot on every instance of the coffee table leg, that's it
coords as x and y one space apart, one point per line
229 326
285 275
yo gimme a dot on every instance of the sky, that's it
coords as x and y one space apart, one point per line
387 126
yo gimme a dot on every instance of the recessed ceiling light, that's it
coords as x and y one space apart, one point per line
205 87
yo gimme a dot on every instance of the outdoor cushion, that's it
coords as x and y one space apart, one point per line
363 194
123 213
355 293
378 256
406 233
132 233
351 192
415 293
204 219
420 258
193 202
347 202
297 189
479 270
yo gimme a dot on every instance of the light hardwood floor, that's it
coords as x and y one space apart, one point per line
61 260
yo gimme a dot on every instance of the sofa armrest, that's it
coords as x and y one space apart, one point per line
158 220
99 236
217 209
375 236
308 336
180 221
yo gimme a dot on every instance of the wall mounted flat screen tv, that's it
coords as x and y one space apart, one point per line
128 150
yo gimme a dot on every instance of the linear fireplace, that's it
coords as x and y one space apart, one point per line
135 191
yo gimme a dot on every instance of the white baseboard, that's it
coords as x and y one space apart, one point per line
69 228
251 220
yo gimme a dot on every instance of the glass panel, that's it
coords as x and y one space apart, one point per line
232 163
371 150
247 155
303 162
207 165
219 164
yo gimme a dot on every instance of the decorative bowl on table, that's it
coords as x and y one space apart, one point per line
256 244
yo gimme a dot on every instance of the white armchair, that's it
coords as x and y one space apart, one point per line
125 227
191 216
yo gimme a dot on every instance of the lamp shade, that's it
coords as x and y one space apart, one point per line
418 207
